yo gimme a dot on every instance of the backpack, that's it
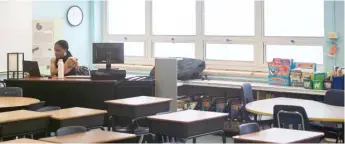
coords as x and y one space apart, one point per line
187 68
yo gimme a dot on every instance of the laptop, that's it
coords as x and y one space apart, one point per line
32 68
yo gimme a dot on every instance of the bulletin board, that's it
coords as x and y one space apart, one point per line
45 32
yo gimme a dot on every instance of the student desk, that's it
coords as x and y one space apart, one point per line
188 124
11 103
316 111
22 122
26 140
137 107
95 136
278 135
67 92
90 118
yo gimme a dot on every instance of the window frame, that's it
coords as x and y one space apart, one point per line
259 40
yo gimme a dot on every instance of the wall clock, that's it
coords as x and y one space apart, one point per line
75 15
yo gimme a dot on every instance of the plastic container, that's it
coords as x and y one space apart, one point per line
328 85
338 83
61 70
308 84
318 85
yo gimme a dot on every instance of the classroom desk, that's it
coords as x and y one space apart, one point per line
16 102
278 135
89 118
138 106
23 122
188 124
316 111
67 92
94 136
26 140
125 110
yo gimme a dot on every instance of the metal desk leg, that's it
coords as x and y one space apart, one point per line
223 137
257 95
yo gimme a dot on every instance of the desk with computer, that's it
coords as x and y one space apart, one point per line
105 84
103 53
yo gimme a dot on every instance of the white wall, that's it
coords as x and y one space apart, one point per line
15 29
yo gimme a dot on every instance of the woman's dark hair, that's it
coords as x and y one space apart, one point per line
64 45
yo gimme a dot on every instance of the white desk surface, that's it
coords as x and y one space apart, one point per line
255 86
316 111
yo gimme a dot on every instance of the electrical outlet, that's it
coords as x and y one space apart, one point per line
332 35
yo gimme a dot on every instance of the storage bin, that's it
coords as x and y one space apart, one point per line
318 85
338 83
308 84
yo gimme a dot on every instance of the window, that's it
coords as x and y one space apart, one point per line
303 18
298 53
173 17
174 50
134 49
235 52
126 17
229 17
227 34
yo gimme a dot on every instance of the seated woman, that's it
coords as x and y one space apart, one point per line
62 52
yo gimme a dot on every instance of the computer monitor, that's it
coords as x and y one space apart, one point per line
32 68
108 53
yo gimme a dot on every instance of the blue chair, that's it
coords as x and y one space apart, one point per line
70 130
249 128
334 97
332 130
290 117
11 91
36 106
247 97
48 108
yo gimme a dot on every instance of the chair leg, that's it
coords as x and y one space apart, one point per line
223 138
194 140
141 139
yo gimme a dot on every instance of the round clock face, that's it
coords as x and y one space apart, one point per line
74 15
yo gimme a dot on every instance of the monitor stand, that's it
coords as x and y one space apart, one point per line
108 63
108 66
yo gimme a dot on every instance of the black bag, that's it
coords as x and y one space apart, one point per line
187 68
82 70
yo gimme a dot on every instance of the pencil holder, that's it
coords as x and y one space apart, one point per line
328 85
338 83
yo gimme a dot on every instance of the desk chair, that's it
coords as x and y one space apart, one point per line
36 106
11 91
247 97
48 108
70 130
290 117
332 130
249 128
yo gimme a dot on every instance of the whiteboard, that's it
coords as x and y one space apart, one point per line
15 29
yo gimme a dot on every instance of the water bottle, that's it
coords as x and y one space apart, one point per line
60 69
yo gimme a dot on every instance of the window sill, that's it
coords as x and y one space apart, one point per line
210 72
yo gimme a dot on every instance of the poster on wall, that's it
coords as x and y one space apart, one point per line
45 33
